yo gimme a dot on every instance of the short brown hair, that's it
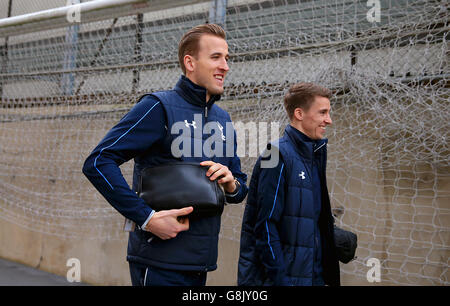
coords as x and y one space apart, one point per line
189 42
302 95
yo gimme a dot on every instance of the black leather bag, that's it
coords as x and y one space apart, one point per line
178 185
346 243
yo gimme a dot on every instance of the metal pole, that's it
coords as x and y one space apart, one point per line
137 51
218 12
70 56
84 8
4 55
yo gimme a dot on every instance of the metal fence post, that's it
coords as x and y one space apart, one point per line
218 12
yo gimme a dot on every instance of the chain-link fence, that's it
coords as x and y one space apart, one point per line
386 62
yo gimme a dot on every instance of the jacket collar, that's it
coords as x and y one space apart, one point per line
193 93
306 146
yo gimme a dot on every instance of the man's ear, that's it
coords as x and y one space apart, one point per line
189 63
298 114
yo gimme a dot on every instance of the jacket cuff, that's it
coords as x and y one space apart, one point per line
230 196
146 221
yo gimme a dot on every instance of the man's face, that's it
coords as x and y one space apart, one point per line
210 66
316 119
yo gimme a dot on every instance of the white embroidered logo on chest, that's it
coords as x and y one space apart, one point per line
302 175
190 124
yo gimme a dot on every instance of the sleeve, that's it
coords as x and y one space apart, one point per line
135 133
235 168
270 205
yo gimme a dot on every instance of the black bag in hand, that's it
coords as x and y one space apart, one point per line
178 185
346 243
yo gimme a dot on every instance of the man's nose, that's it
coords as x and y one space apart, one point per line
224 65
328 119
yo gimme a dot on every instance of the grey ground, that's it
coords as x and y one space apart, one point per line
15 274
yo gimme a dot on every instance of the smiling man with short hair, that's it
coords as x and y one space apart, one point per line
287 236
168 247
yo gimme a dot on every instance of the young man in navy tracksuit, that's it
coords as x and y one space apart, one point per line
165 249
287 236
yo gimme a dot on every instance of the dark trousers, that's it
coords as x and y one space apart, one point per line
142 275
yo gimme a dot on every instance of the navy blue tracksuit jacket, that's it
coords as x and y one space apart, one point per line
287 235
145 134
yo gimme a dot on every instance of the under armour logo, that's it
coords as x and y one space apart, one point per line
190 124
221 131
302 175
